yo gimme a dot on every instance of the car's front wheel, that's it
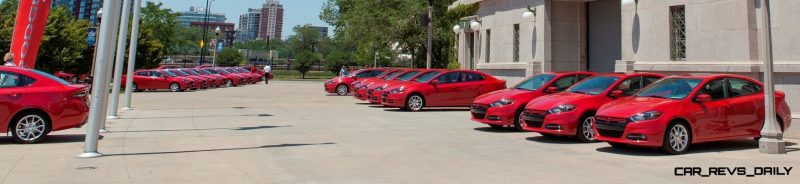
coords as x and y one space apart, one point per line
135 88
519 121
415 102
228 83
677 139
585 131
30 127
341 90
175 87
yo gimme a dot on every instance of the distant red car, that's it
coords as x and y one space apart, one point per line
375 92
158 79
342 85
231 79
679 111
360 86
570 113
505 107
201 82
257 77
250 78
34 103
215 80
456 88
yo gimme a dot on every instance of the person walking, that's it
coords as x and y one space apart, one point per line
267 73
8 59
343 71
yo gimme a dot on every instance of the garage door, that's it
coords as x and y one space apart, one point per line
604 32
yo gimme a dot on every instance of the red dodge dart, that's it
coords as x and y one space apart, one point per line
342 85
375 92
570 113
504 107
360 86
456 88
157 79
34 103
679 111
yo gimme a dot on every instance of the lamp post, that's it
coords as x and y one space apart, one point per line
216 43
205 34
96 38
771 141
430 34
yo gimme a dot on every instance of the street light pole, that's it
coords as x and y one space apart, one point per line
430 34
216 44
122 39
205 35
771 141
137 15
100 85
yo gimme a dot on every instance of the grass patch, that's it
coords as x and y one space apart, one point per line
294 75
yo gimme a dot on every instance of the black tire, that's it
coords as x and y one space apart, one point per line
228 83
175 87
585 133
38 122
683 140
342 90
518 124
496 127
415 102
135 88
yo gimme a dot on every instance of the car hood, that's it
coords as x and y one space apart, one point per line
505 93
553 100
388 84
629 106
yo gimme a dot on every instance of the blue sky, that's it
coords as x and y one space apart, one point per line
296 12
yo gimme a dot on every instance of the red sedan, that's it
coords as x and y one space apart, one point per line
570 113
342 85
361 85
504 107
158 79
34 103
201 82
679 111
230 79
375 92
456 88
215 80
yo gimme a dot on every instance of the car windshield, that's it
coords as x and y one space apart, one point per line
407 76
209 71
181 73
191 72
222 71
426 77
594 85
672 88
535 82
392 76
51 77
386 74
169 73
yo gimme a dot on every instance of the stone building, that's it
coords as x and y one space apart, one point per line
664 36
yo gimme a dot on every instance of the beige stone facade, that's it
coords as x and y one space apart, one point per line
721 36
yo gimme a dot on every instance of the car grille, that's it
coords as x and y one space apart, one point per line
383 97
534 118
610 127
479 111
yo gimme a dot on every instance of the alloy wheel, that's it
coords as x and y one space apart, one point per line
678 138
341 90
520 125
415 103
30 128
228 83
174 87
586 129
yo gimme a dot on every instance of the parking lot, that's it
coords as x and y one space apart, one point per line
292 132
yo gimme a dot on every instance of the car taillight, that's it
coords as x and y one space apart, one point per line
80 94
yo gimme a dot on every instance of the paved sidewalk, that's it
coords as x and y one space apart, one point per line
291 132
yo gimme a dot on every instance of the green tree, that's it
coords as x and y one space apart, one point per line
305 43
63 43
158 35
229 57
8 14
336 59
304 61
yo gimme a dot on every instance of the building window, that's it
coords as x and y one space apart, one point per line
516 42
678 33
488 45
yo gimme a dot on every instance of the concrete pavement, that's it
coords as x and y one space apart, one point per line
292 132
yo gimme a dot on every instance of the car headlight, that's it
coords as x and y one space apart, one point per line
382 87
398 90
329 82
649 115
501 102
184 80
561 109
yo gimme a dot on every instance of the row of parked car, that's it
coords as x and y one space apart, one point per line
176 78
630 109
34 103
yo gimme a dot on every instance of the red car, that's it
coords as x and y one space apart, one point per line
457 88
679 111
570 113
360 86
230 78
158 79
257 77
342 85
504 107
34 103
215 80
375 93
248 78
201 82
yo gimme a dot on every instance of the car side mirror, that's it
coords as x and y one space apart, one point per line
551 90
703 98
617 93
434 82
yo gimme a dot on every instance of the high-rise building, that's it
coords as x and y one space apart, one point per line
81 9
271 22
321 29
249 24
197 14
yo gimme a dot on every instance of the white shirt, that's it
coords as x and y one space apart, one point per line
267 69
9 64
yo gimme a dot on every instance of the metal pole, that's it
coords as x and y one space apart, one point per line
100 85
110 66
205 35
430 34
122 39
771 141
137 15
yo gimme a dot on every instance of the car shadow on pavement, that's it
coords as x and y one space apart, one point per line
708 147
395 109
206 116
498 130
555 140
222 149
380 106
203 129
334 94
51 139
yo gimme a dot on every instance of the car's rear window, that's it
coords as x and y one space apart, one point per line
51 77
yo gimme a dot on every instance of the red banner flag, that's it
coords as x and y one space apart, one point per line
28 30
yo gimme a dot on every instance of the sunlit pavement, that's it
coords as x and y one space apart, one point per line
291 132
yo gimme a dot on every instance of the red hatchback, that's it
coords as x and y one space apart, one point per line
157 79
456 88
570 113
504 107
342 85
34 103
678 111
